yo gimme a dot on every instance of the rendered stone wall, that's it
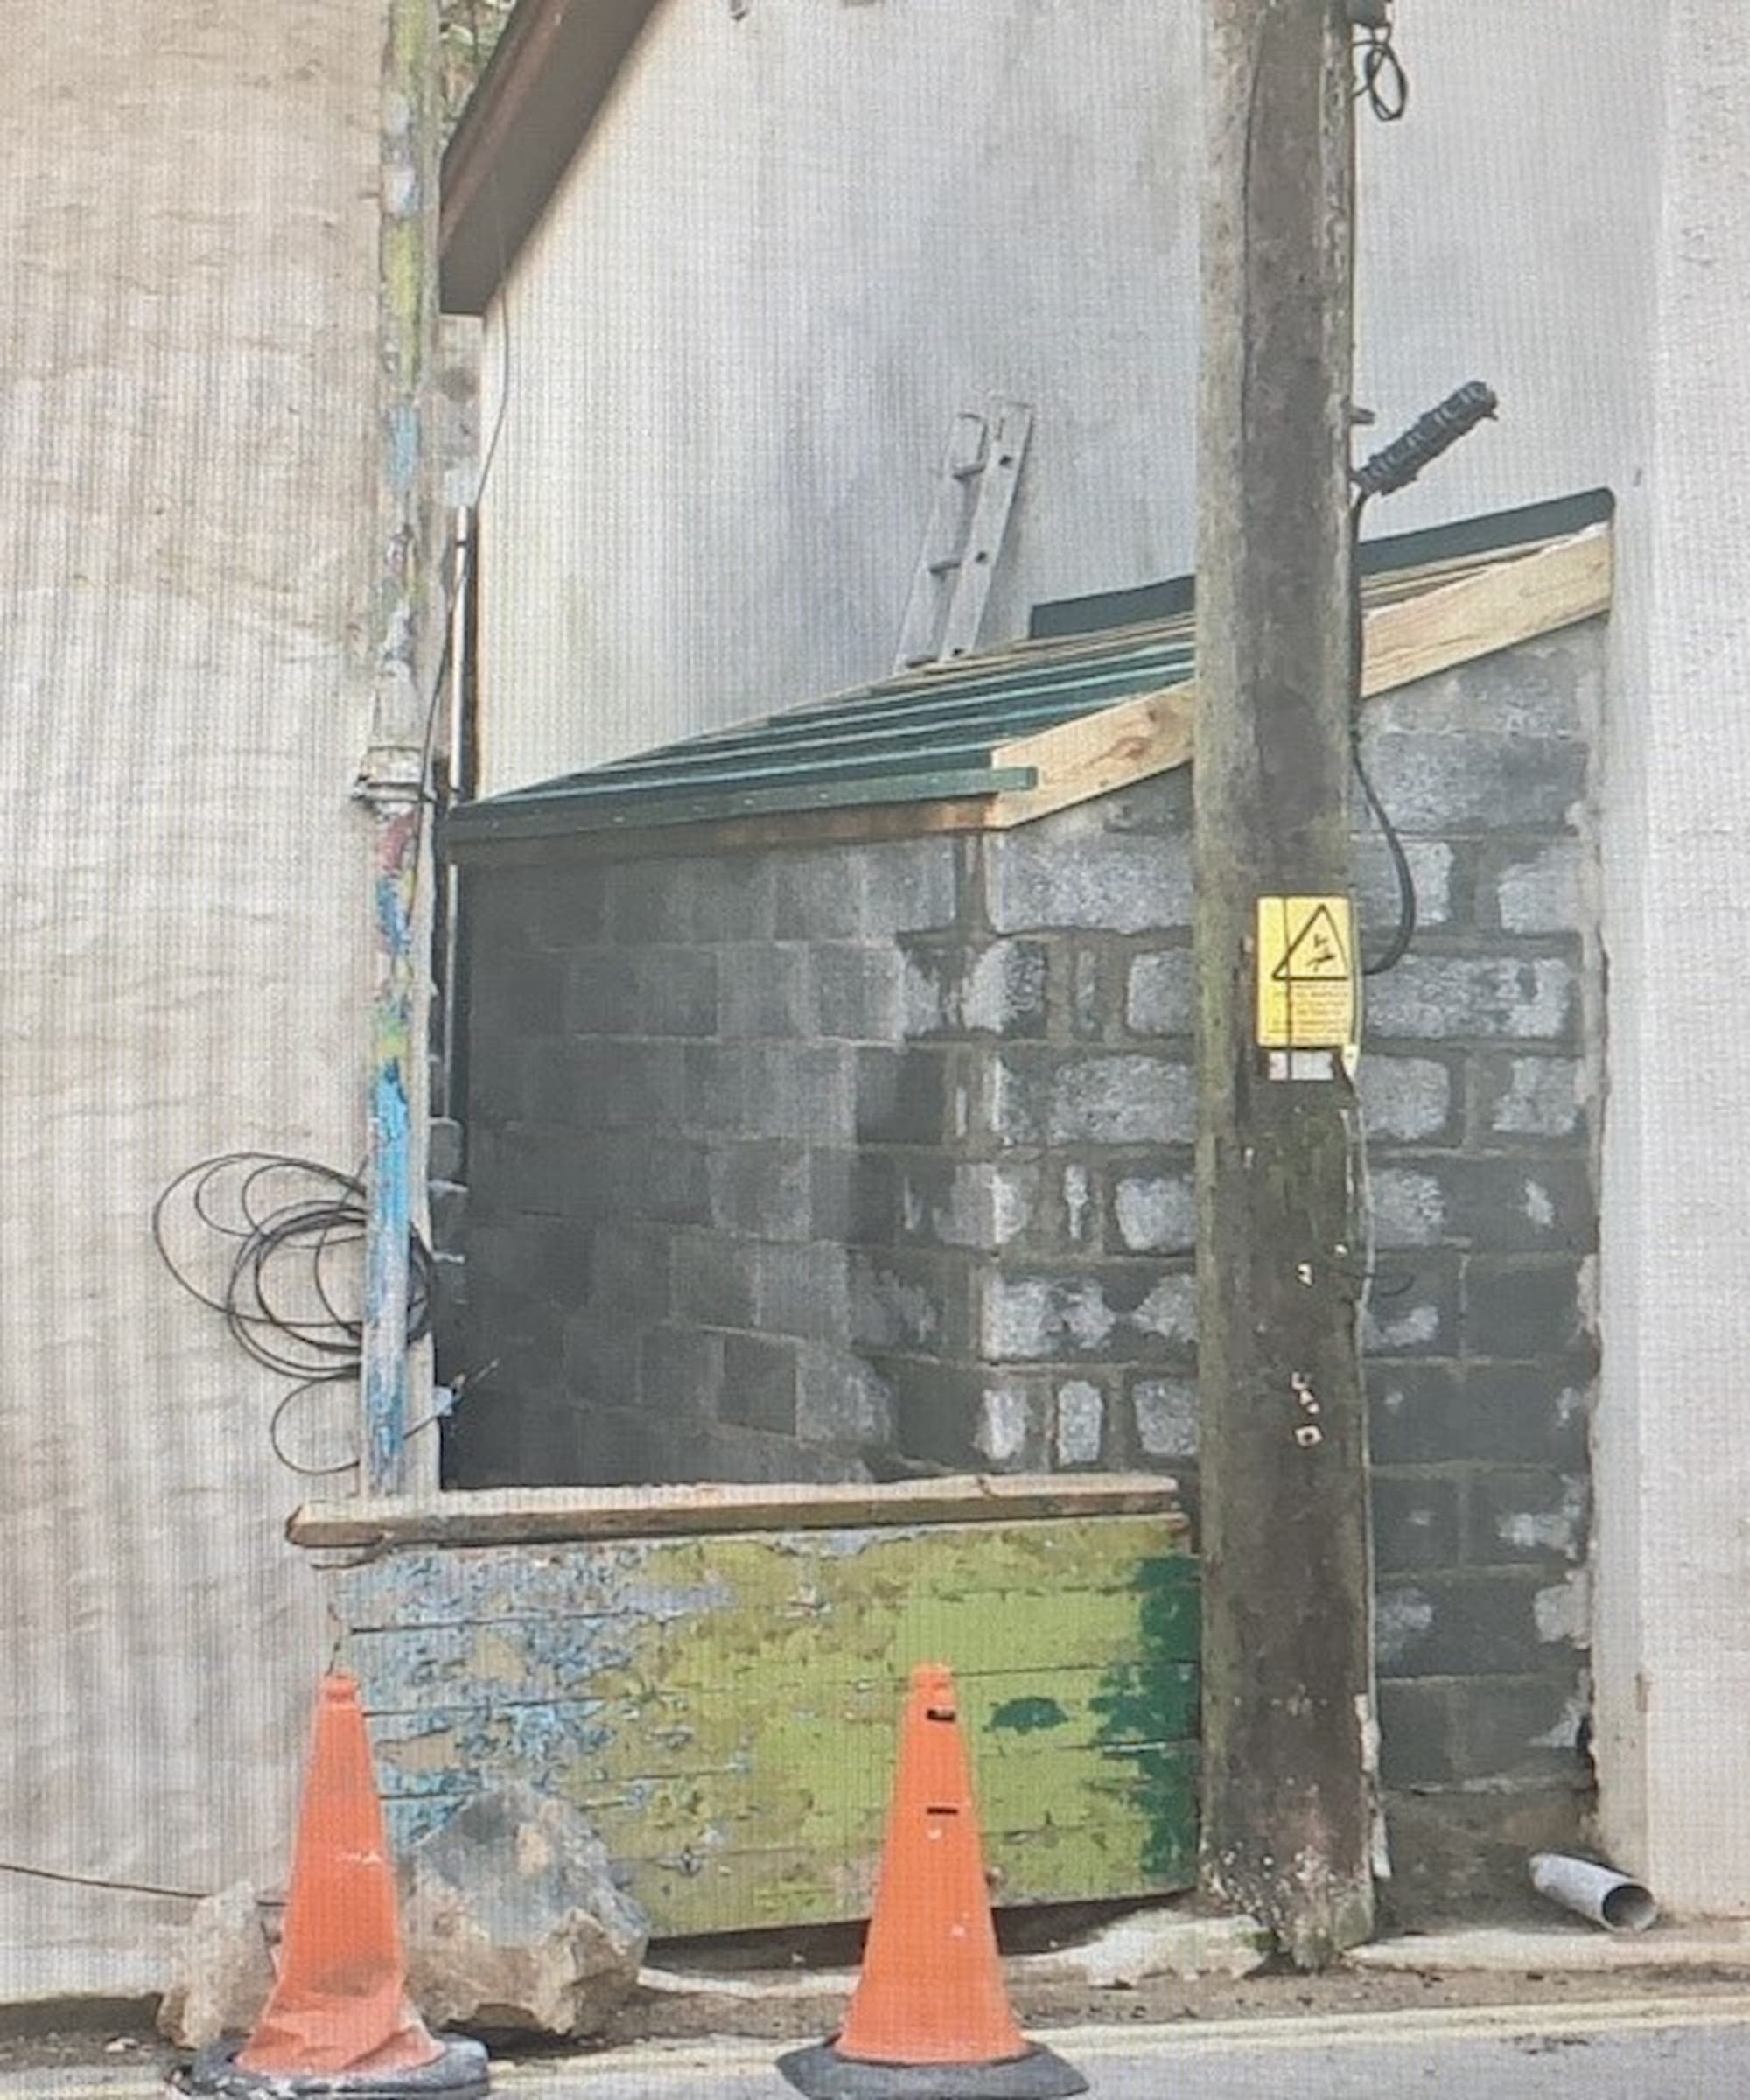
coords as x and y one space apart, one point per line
189 557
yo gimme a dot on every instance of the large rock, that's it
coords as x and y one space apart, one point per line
224 1971
513 1920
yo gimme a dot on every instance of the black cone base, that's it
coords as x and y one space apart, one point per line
460 2072
821 2073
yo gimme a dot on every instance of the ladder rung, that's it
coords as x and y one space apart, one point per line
969 517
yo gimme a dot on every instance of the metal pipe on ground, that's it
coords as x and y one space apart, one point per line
1594 1891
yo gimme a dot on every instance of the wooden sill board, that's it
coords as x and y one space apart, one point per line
530 1515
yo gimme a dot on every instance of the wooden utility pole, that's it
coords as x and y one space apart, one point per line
1289 1789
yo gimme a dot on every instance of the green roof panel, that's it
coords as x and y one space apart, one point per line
938 733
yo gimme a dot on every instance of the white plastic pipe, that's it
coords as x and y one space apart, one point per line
1594 1891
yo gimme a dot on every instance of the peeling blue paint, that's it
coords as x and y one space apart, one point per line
449 1752
468 1584
531 1664
402 444
393 929
385 1365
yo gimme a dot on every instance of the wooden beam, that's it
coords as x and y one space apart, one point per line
1506 603
1289 1798
870 824
548 80
723 1708
1077 760
530 1515
1450 614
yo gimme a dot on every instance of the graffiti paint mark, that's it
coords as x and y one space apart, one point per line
1025 1716
1149 1715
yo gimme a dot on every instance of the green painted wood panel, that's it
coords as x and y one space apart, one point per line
725 1707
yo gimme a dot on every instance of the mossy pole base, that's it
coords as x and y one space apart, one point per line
1288 1787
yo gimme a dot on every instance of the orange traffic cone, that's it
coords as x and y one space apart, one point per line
339 2019
930 2017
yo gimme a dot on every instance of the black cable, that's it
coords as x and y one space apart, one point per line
427 794
277 1236
1394 466
1383 83
1404 933
291 1465
504 361
137 1888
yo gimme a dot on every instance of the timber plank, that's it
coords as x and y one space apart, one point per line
678 1578
1505 605
1009 1715
1415 627
1078 760
1418 621
531 1515
869 823
725 1707
703 1864
807 1608
705 1888
466 1585
843 1792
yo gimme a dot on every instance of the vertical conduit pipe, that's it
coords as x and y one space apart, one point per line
391 779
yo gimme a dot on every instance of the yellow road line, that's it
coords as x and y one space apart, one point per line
685 2062
1605 2016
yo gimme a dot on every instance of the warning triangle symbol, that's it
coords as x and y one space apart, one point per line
1317 951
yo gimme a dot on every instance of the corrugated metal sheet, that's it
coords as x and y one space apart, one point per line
1392 554
939 733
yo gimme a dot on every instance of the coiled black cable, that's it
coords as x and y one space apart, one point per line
1383 83
281 1244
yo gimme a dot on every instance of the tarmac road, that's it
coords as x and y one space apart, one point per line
1650 2049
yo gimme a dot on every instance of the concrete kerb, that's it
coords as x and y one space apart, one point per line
1557 1949
1121 1954
1135 1950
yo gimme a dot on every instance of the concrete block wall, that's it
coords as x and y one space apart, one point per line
819 1161
1484 1086
692 1078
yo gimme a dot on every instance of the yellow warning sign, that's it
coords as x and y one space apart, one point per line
1307 976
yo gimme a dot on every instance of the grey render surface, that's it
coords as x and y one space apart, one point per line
826 1161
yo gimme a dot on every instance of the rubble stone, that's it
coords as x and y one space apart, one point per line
513 1921
224 1971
